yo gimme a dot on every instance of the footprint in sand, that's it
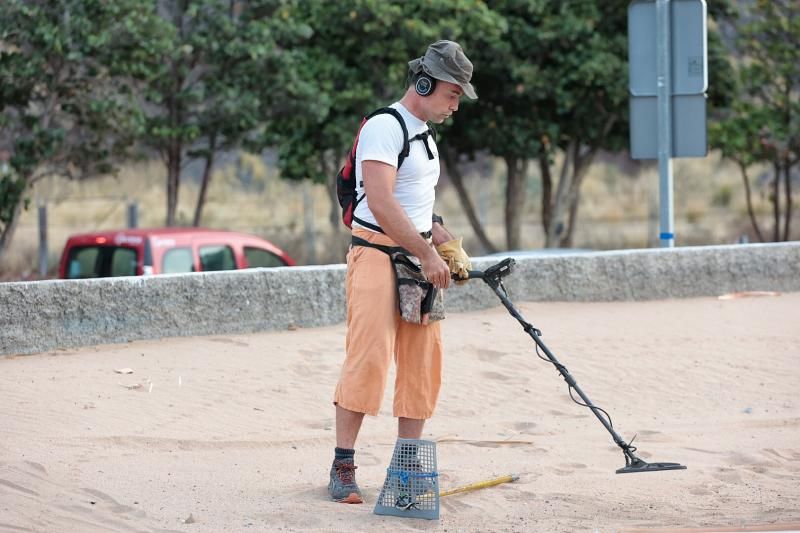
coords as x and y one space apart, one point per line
115 506
524 427
770 462
462 413
318 423
368 459
648 432
26 469
317 353
457 507
301 369
727 475
495 376
784 456
700 491
224 340
18 488
489 356
712 452
37 466
567 469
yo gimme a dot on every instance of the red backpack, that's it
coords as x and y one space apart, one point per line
346 178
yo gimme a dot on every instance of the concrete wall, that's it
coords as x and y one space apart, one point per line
43 315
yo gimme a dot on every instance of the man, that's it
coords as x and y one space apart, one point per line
397 210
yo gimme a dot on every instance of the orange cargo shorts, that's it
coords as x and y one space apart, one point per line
376 334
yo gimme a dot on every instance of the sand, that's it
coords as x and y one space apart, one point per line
236 433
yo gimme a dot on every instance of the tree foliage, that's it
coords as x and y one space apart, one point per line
354 61
762 126
65 108
87 82
214 86
554 82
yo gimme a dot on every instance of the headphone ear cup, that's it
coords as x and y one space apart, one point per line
424 84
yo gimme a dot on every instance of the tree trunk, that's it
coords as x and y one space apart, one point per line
174 146
580 167
787 183
556 225
749 199
547 191
201 198
335 213
776 203
515 200
458 182
575 200
7 235
173 180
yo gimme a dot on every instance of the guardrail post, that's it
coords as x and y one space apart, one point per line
43 239
133 214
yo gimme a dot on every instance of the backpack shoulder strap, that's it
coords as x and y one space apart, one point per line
400 157
396 114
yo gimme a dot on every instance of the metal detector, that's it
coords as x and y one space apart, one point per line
493 276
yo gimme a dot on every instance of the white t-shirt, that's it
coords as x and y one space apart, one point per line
381 139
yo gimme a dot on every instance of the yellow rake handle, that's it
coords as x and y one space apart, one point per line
480 485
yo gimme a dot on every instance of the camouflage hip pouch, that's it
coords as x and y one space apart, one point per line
419 301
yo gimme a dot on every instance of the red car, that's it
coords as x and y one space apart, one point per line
136 252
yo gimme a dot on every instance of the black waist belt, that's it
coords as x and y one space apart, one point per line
373 227
358 241
425 235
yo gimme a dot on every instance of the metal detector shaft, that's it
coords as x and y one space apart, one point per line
493 277
534 333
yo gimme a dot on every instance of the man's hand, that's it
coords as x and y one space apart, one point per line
436 270
456 258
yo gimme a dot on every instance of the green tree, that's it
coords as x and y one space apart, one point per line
174 94
355 61
243 67
213 92
554 81
762 126
65 105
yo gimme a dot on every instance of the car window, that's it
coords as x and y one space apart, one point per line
123 262
82 263
177 260
101 262
258 257
217 258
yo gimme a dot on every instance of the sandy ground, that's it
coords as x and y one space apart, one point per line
235 433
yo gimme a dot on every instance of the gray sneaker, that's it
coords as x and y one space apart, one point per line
343 487
413 480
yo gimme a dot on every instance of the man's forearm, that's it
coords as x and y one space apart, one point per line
440 234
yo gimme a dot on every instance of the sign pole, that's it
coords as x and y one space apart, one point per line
664 103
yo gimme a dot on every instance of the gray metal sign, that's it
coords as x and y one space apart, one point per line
688 78
688 38
689 135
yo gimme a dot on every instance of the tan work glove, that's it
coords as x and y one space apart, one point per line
456 258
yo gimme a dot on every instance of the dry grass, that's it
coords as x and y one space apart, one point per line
617 210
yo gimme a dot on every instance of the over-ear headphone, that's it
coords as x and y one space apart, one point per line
424 84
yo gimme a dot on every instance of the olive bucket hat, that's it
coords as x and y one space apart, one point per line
446 61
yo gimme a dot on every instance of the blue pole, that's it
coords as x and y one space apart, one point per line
664 82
